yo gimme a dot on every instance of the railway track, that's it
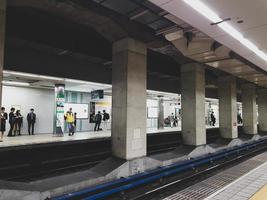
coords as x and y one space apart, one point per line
25 165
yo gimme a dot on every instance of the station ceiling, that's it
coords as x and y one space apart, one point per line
79 33
208 43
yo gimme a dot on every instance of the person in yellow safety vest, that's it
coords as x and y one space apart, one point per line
69 118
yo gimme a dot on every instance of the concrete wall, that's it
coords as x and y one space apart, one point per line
41 100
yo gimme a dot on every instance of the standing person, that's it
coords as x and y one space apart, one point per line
98 119
18 123
213 119
171 120
105 119
3 122
12 119
75 121
69 117
31 118
239 119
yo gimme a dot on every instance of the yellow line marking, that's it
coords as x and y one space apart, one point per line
261 194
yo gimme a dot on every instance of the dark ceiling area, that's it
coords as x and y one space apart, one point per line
56 37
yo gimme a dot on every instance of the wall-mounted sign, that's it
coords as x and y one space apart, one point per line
97 94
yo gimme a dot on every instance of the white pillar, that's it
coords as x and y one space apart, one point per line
262 109
2 42
129 73
227 107
193 104
160 113
249 108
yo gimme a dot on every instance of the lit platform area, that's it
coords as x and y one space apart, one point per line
26 139
49 138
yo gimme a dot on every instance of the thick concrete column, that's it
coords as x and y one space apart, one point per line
129 74
193 104
160 113
227 107
2 42
249 108
262 109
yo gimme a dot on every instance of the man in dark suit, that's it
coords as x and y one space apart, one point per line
12 119
98 119
31 118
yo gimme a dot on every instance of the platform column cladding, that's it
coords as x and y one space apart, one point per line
2 41
249 108
227 107
160 112
129 84
193 104
262 108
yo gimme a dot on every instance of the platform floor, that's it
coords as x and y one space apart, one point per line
251 186
26 139
240 182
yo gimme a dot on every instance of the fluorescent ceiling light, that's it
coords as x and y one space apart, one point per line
101 85
15 83
36 76
204 10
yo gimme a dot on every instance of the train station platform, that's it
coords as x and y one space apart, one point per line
252 185
49 138
244 181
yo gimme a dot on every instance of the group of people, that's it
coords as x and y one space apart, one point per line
98 119
171 120
15 120
71 120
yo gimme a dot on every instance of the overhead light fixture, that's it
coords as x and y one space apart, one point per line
36 76
15 83
207 12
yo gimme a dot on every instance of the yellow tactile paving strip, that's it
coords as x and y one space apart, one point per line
261 194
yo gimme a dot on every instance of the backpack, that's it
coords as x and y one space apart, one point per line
107 116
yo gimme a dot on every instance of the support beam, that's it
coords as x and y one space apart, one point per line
262 109
227 107
193 104
249 108
160 113
2 42
129 72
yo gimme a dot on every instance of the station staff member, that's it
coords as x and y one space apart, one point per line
69 117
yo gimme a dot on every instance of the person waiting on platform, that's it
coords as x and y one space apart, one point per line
31 118
239 119
18 123
98 119
69 117
12 119
213 119
3 122
172 120
75 121
105 119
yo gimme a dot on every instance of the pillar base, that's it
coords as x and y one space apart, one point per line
118 168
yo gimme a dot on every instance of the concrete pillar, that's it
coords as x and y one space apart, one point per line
249 108
129 72
160 113
262 109
227 107
59 109
2 42
193 104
